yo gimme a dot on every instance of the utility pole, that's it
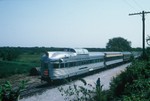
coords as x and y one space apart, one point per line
143 19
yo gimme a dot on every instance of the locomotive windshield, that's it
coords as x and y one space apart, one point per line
44 65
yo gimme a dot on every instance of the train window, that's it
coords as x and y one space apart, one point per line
101 60
86 62
113 58
77 63
66 65
55 65
44 65
74 63
83 62
80 62
71 64
96 60
62 65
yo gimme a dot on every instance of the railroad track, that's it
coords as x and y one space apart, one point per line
34 88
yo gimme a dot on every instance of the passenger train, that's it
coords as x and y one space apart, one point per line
71 62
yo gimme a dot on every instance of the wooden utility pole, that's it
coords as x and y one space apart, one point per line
143 19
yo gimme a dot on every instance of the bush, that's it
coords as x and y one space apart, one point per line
8 93
132 84
8 68
83 93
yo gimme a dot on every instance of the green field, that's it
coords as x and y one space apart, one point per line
21 65
29 58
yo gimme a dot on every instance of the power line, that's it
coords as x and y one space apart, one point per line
138 4
125 1
133 7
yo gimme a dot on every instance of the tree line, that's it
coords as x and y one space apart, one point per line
114 44
11 53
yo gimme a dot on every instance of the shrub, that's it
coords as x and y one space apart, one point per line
8 68
8 93
132 84
83 93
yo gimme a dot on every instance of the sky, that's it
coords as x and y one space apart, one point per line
71 23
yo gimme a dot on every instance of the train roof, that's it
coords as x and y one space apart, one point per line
78 51
71 53
60 54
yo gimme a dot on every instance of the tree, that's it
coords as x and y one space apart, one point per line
9 53
118 44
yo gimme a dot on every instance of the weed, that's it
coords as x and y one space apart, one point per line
8 93
83 93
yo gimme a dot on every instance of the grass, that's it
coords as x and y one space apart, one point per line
21 65
29 58
11 68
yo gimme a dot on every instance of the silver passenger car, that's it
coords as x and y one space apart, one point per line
68 63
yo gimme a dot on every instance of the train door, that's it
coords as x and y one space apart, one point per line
44 68
51 69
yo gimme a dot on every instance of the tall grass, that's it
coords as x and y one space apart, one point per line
29 58
86 92
8 68
20 65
